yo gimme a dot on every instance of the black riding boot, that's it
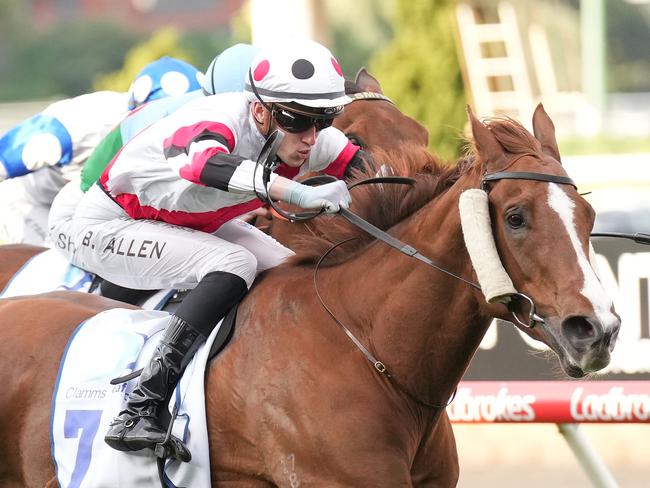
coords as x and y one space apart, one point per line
137 426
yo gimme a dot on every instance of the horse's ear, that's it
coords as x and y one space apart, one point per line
544 131
487 145
367 82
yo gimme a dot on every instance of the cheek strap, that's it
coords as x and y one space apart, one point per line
495 283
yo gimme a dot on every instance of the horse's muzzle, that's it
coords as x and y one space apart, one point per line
591 340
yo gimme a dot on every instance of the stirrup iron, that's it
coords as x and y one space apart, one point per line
172 447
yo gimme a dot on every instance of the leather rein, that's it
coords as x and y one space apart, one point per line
267 161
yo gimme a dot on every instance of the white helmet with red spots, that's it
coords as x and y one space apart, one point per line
301 75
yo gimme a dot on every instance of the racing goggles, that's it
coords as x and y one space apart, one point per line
295 123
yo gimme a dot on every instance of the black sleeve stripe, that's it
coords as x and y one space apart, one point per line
207 135
173 151
218 170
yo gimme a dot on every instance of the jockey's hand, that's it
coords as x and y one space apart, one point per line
331 196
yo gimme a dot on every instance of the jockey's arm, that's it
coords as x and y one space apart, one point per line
329 196
207 160
333 154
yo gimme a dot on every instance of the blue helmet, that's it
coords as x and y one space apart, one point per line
162 78
226 72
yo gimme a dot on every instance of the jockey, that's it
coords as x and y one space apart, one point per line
163 212
41 154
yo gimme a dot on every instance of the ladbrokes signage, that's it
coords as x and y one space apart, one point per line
546 401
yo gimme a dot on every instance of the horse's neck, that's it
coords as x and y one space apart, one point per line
423 324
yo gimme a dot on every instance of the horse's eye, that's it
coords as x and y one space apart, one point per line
515 220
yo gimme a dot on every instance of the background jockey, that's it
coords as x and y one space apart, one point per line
163 212
39 156
225 73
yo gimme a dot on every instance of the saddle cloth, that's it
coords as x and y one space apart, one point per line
108 345
51 271
47 271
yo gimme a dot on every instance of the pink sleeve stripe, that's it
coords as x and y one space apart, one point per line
337 167
184 136
192 171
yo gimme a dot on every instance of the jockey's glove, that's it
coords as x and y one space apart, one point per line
330 196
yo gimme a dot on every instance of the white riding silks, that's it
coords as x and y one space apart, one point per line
479 241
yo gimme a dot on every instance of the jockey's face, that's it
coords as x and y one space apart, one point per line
296 146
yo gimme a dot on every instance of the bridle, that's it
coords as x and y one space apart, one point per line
525 175
533 318
410 251
367 95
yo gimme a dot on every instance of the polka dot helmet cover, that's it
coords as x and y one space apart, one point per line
300 71
163 78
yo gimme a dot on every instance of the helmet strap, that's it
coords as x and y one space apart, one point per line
263 126
267 131
256 93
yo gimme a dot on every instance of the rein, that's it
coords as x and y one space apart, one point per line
638 237
376 363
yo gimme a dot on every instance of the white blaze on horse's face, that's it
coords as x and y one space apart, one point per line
592 289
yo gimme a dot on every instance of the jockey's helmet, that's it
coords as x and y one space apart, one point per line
162 78
297 77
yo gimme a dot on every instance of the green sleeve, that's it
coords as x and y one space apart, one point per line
100 157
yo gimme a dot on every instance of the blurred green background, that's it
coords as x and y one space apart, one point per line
53 49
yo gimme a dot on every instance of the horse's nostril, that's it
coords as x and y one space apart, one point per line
581 331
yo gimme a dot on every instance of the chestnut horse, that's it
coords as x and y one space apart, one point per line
371 121
292 400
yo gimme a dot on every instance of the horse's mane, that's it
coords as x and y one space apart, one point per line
385 205
513 136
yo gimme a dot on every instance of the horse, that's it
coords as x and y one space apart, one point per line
292 400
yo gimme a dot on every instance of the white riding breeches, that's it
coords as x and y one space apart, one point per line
146 254
25 202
